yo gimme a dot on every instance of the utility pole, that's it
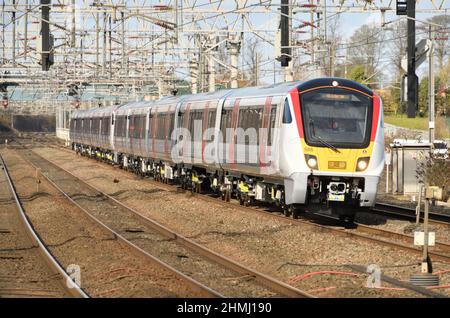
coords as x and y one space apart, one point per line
122 16
45 33
25 43
431 121
110 46
413 81
313 58
194 75
73 39
285 29
211 65
3 34
211 73
104 44
97 42
14 33
234 46
201 68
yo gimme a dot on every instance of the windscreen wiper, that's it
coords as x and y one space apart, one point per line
323 142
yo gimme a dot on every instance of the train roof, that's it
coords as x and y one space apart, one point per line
251 92
97 111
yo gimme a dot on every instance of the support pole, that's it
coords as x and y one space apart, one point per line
234 46
194 76
431 115
3 34
211 66
97 43
124 66
25 43
110 46
45 33
73 38
413 81
14 33
425 268
104 44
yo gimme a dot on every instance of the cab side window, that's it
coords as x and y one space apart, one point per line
287 117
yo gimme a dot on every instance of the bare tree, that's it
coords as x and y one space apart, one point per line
252 59
442 38
366 49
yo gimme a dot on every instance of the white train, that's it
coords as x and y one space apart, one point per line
317 143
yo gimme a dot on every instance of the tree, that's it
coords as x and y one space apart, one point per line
358 74
253 58
366 49
441 39
442 98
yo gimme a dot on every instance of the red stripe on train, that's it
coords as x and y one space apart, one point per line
297 112
375 116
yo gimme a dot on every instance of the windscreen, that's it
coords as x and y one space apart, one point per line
337 117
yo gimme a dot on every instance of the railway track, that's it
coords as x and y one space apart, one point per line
330 224
360 231
234 279
16 216
330 228
114 261
401 212
357 230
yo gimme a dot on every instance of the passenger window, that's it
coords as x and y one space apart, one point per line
287 118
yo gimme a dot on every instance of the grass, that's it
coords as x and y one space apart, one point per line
420 123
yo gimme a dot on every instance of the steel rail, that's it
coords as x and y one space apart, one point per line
66 281
409 213
263 279
134 248
344 231
359 227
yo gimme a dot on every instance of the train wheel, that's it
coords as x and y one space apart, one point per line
286 210
296 211
241 199
351 218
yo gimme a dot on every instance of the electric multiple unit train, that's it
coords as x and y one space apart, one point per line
314 144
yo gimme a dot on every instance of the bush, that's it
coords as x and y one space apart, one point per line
435 172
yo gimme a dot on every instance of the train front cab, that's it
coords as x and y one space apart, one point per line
339 124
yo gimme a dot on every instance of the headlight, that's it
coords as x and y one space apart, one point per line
311 161
362 164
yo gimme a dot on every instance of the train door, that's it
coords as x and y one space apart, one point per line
219 139
111 131
147 131
127 128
